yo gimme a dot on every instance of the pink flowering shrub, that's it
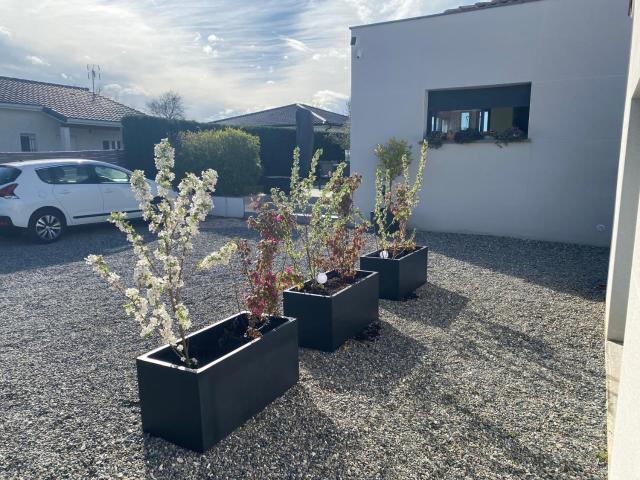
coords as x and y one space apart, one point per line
265 281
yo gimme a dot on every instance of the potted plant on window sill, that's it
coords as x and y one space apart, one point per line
197 387
338 301
401 263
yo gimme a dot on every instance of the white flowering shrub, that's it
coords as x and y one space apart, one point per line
155 300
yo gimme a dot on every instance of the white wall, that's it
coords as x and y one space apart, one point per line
90 138
623 299
15 122
558 187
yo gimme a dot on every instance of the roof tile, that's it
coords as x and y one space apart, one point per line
283 117
64 101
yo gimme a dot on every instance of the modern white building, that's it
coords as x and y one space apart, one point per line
555 69
47 117
623 294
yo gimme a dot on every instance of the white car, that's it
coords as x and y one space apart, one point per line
46 196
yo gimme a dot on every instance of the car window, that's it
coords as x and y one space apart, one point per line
71 174
46 175
8 174
111 175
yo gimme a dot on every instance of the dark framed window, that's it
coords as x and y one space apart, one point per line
105 144
28 142
487 109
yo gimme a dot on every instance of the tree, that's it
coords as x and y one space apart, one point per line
343 136
169 105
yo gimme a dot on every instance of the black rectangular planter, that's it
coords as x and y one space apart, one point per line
195 408
326 321
398 277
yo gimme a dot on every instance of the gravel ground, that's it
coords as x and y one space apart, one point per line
495 370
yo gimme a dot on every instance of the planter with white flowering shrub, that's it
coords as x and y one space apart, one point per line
198 387
401 263
338 302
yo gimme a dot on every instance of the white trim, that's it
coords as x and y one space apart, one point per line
20 106
95 123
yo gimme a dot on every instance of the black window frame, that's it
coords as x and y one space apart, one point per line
31 140
481 100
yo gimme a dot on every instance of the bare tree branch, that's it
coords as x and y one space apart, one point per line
169 105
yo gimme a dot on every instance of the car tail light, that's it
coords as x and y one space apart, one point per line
8 191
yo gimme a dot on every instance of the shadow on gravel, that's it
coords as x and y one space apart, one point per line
18 252
492 439
431 305
371 367
556 367
574 269
262 446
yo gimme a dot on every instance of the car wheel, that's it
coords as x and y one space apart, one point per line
47 225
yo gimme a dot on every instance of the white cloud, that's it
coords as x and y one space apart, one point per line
302 47
330 100
213 38
209 50
296 44
36 60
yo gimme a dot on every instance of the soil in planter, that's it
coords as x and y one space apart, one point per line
395 255
218 341
334 284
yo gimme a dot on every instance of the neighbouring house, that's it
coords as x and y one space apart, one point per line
623 293
555 69
308 122
285 117
48 117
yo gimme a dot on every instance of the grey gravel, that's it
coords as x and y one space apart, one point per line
495 370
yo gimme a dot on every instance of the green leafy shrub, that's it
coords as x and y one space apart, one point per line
234 154
391 156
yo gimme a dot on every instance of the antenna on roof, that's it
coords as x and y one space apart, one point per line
93 71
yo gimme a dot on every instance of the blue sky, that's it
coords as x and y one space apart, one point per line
226 57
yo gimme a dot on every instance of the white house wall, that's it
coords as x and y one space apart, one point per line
623 299
90 138
15 122
561 185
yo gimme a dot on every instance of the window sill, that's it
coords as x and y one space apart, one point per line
485 141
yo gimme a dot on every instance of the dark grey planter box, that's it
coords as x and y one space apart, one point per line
326 321
398 277
196 408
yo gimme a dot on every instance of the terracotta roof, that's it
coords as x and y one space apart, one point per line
63 101
283 117
461 9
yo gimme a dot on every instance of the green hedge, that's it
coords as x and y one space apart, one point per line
141 133
234 154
